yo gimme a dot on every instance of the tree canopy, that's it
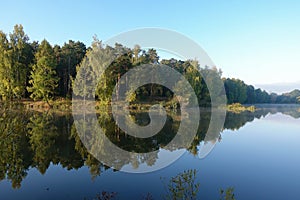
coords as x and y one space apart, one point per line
41 72
43 77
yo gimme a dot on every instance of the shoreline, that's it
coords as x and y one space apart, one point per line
65 105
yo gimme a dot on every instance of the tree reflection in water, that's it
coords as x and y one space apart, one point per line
30 139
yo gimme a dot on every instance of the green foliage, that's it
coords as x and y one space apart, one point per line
251 97
213 78
33 140
47 72
121 60
183 186
16 56
237 108
21 56
91 70
261 96
42 134
5 72
43 77
227 194
14 148
68 57
239 92
290 97
236 90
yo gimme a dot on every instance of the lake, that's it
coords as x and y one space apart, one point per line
256 154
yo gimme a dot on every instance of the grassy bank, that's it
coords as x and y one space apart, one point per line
65 105
238 108
58 104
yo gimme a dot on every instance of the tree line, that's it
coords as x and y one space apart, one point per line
41 71
239 92
36 70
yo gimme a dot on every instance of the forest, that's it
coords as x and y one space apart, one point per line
40 71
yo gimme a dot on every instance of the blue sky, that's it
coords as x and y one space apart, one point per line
256 41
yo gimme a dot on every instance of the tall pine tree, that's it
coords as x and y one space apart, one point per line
43 78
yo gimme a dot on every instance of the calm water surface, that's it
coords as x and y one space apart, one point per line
42 157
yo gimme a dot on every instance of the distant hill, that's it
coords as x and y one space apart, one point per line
289 97
294 93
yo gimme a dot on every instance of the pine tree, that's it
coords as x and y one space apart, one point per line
43 77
